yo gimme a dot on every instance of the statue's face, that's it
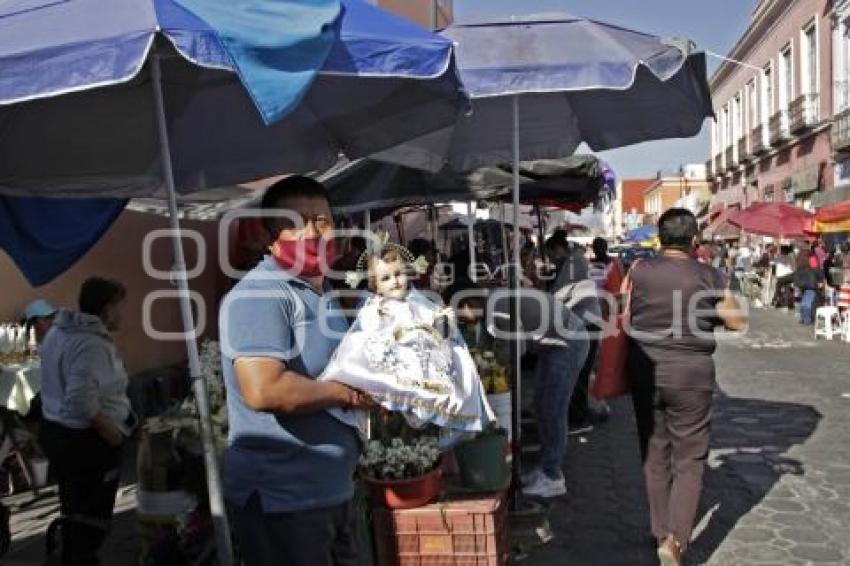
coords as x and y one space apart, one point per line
390 279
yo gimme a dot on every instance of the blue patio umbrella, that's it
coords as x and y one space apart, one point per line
122 98
641 234
542 85
78 115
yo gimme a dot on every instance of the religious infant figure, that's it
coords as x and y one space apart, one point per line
405 351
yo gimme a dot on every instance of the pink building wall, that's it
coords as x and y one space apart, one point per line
783 23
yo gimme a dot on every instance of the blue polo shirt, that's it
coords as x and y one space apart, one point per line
294 463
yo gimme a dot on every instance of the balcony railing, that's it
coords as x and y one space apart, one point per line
758 140
841 131
709 170
743 152
803 113
779 128
731 158
718 164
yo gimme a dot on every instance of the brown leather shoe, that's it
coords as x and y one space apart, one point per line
670 552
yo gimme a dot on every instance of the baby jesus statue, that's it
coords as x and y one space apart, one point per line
405 351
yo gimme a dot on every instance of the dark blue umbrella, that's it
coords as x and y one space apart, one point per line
128 98
78 116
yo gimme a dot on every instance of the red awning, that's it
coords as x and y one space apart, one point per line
834 212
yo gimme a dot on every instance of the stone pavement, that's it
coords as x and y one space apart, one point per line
777 486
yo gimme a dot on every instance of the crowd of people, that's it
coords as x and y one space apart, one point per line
801 275
280 426
289 467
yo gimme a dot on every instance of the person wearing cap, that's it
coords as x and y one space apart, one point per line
39 315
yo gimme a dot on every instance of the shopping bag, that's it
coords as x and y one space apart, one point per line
611 379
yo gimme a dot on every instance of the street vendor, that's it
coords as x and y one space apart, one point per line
289 464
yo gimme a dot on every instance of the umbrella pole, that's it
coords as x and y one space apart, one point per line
199 386
516 352
505 257
473 273
540 232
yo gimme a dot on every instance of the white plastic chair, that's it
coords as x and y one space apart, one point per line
827 322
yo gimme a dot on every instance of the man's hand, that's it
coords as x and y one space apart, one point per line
110 433
350 398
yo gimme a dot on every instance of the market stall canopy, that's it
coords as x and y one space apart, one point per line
778 220
575 80
368 184
833 218
77 113
720 228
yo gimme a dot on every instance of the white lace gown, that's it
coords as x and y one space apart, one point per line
395 352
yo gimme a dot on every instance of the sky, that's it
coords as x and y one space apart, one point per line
714 25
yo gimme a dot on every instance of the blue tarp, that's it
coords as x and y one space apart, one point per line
45 237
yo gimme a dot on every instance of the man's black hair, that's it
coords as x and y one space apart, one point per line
97 293
292 186
600 248
677 228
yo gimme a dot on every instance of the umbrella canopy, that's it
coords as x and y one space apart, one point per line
778 220
833 218
720 228
384 80
579 80
574 181
642 234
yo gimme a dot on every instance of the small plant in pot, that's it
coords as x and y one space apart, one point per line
402 469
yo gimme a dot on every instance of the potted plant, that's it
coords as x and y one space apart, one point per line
402 474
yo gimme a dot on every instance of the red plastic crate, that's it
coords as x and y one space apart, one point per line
459 532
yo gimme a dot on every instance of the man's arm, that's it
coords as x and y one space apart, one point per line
730 312
268 385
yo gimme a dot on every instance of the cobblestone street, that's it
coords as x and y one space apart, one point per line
777 487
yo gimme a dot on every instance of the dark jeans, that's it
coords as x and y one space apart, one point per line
88 471
318 537
807 306
673 427
579 410
555 378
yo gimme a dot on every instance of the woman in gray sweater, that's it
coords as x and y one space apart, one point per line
87 415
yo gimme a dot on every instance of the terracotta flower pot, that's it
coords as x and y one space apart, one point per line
406 493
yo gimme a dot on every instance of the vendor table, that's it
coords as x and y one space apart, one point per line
19 383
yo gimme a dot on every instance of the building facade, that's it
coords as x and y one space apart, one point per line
840 23
689 190
771 140
431 14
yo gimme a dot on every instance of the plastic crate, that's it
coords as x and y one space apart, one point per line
460 532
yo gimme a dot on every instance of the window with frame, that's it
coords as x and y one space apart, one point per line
786 78
752 105
767 88
737 119
809 84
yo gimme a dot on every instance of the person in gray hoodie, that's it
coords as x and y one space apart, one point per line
87 415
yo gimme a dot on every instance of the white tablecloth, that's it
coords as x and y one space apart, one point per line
19 383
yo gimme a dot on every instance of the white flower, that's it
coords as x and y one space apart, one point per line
420 265
353 278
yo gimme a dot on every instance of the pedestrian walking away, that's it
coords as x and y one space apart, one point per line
675 303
